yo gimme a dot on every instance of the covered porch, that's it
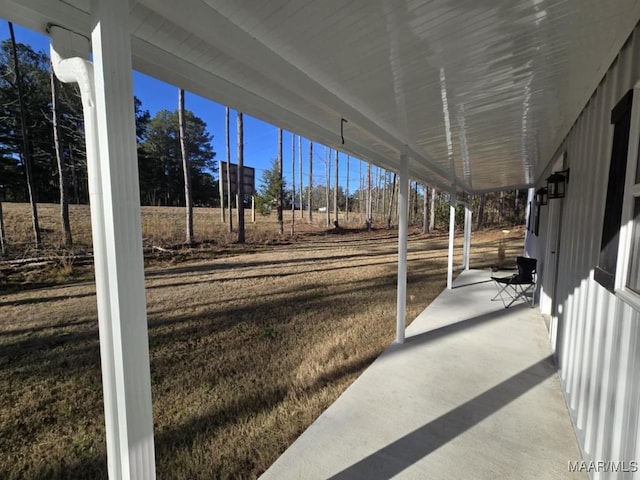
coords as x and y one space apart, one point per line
468 99
472 393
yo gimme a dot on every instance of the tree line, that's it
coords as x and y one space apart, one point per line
42 139
158 140
375 200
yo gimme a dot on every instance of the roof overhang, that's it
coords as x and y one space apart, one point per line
479 95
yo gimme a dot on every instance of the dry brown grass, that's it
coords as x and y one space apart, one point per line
161 226
247 349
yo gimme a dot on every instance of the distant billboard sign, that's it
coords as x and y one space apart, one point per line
249 178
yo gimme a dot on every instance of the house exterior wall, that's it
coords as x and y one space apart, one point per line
594 333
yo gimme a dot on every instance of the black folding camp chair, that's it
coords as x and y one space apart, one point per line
518 286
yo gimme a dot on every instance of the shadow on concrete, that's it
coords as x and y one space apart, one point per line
404 452
439 332
468 284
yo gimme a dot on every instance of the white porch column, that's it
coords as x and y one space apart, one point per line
403 234
466 255
452 232
132 451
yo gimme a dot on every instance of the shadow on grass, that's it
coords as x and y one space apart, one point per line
277 311
62 353
266 264
34 330
61 343
203 426
93 467
199 428
67 353
41 299
269 274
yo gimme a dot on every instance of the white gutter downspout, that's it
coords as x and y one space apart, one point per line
453 199
466 249
452 234
116 234
80 70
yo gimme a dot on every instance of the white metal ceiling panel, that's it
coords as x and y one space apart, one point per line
478 93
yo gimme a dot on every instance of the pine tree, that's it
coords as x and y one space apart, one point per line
425 211
62 170
240 178
293 183
2 232
26 154
188 199
393 189
160 165
346 207
335 195
228 142
281 185
432 210
310 196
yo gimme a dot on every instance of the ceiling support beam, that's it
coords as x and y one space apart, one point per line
125 341
403 235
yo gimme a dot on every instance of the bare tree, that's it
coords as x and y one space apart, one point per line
228 140
188 201
369 219
377 189
62 171
335 196
414 202
2 232
281 196
393 191
384 192
293 183
26 154
361 189
74 177
223 218
327 159
240 179
481 204
425 210
301 187
346 197
310 196
432 210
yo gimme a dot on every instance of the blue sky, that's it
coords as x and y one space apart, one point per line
260 138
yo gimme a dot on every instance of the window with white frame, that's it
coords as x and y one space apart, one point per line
633 280
626 266
605 272
632 214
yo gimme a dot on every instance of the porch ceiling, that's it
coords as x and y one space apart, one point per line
479 93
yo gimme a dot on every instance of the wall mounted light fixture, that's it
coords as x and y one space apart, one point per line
557 184
542 196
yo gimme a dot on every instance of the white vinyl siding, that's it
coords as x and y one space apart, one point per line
597 343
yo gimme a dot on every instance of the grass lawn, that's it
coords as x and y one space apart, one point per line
248 344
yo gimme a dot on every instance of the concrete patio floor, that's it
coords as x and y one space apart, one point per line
472 393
